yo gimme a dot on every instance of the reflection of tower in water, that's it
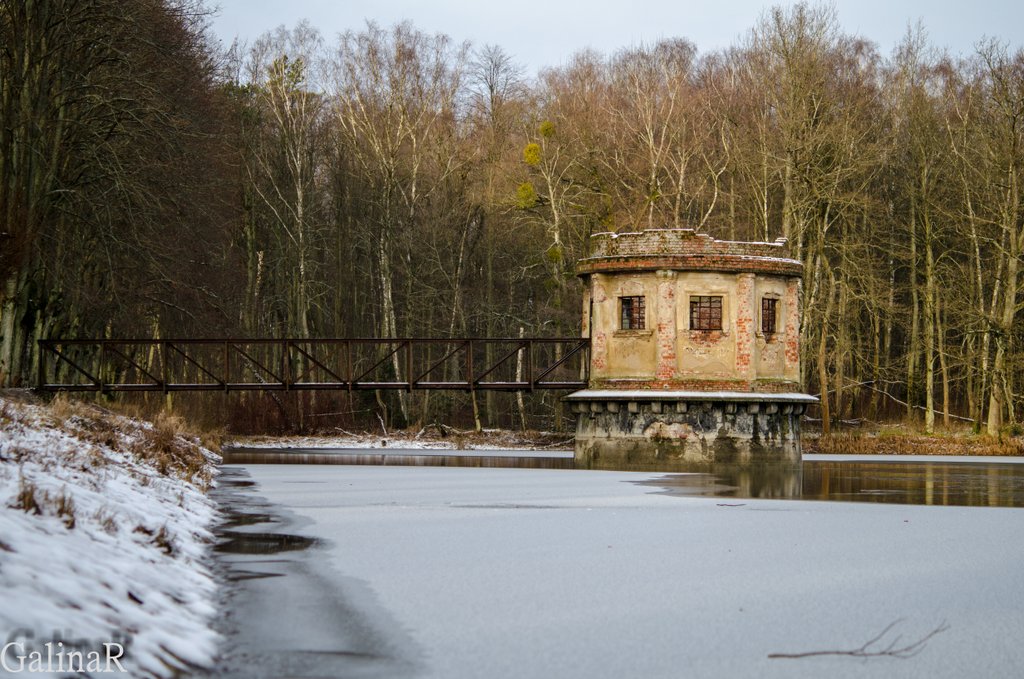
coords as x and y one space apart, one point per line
989 484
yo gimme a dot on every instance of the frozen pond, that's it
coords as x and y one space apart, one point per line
470 572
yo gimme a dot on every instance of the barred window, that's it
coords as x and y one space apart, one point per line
705 313
768 315
633 312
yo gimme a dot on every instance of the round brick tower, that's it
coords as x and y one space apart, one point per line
695 352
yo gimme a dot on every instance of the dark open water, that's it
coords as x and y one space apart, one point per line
966 484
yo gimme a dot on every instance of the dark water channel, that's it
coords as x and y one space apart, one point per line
965 484
283 613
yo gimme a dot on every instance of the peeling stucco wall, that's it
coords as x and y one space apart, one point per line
667 352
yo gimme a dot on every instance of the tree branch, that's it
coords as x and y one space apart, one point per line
874 647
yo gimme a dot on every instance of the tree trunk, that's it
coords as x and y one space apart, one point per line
823 381
929 328
12 312
489 315
841 353
826 421
389 327
912 349
997 404
943 364
519 378
876 364
8 311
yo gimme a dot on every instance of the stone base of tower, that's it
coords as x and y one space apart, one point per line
685 431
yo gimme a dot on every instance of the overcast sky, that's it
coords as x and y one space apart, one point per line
539 33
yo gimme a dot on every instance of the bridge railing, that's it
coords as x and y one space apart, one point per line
235 364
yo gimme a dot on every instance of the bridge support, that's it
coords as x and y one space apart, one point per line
685 431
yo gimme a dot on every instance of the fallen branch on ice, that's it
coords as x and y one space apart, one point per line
874 649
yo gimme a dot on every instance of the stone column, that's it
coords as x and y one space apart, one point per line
792 347
666 327
585 325
598 333
746 325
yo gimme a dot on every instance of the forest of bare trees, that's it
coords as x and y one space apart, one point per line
388 182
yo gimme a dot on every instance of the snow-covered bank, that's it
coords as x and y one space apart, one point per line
104 531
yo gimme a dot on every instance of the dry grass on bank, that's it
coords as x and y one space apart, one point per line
165 441
168 425
172 449
911 443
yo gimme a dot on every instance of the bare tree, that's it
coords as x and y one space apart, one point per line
284 167
396 95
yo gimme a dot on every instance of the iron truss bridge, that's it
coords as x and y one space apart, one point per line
517 364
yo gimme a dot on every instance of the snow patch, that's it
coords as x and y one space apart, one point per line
97 545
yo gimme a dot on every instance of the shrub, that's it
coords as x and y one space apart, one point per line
162 539
171 449
66 509
532 154
526 196
26 499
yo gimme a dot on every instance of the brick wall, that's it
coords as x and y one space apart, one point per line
684 249
792 353
746 318
755 386
666 327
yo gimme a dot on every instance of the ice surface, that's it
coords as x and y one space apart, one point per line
561 573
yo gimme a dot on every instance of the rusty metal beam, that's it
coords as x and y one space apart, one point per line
121 365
